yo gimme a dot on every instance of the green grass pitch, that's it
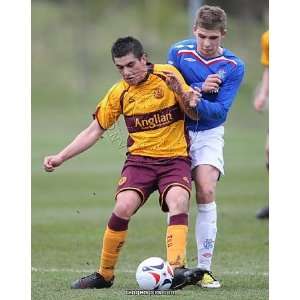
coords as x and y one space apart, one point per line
70 208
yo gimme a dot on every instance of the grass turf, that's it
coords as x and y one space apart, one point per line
70 209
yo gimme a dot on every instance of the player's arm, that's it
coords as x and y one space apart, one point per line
262 96
188 99
83 141
186 96
211 83
226 94
107 113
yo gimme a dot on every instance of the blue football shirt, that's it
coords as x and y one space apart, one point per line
213 107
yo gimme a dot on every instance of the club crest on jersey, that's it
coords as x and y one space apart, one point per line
122 180
185 179
130 100
158 93
221 73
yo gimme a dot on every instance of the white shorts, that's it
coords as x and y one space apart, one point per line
207 148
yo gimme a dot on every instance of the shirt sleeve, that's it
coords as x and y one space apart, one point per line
219 108
109 108
172 57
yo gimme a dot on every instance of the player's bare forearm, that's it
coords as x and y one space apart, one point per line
83 141
188 102
261 98
265 82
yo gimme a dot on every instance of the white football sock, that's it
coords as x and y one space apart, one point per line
206 231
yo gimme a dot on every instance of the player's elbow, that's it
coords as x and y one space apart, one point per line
219 114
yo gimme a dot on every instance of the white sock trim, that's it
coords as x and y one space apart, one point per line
207 206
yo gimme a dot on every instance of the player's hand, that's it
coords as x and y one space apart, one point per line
260 103
51 162
173 83
195 96
192 97
211 83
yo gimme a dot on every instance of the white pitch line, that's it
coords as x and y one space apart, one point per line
54 270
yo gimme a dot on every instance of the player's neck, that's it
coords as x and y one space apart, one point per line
216 54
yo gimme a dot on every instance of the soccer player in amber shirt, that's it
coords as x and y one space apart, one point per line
157 157
260 102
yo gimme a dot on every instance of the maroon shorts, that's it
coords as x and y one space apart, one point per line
147 174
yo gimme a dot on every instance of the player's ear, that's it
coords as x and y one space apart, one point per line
194 30
223 32
144 58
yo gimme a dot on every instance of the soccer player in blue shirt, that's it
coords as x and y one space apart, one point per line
218 72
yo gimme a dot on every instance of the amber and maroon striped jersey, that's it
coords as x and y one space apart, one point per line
152 114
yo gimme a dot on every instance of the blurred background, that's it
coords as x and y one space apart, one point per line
71 41
71 70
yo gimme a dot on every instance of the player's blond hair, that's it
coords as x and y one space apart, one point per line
211 18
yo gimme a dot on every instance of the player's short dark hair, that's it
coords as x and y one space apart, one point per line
126 45
211 18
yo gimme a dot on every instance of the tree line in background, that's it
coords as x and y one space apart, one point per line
250 9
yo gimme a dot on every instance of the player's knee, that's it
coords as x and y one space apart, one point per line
177 207
205 193
178 204
124 208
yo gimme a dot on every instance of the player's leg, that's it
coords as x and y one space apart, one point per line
174 187
177 199
114 237
207 163
205 177
132 192
115 234
264 212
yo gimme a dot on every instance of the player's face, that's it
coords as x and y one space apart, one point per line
132 69
208 41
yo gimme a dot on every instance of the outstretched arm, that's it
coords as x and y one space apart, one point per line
187 99
83 141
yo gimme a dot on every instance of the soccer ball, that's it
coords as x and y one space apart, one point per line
154 274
